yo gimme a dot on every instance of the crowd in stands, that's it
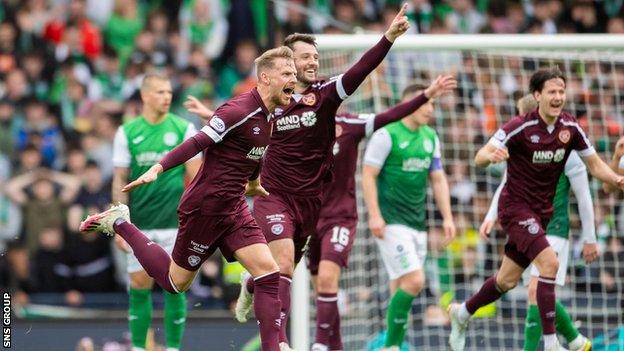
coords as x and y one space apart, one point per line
70 72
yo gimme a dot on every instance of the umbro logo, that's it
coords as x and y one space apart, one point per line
138 139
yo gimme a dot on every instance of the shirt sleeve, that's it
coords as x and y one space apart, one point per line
378 149
436 162
225 119
577 175
399 111
360 125
121 152
345 84
190 131
580 141
504 134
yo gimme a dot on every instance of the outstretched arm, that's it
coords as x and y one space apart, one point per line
601 170
352 79
616 164
440 86
179 155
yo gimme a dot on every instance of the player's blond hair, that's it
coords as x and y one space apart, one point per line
526 104
267 59
152 76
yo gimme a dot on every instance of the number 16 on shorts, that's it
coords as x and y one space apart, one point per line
340 238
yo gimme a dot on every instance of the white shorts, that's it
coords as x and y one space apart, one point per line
165 238
403 250
562 248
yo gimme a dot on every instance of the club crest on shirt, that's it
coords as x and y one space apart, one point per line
217 124
170 138
564 136
428 145
309 99
193 260
336 148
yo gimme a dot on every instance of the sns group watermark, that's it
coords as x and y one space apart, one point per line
6 320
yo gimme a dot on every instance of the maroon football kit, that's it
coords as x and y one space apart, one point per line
336 228
538 154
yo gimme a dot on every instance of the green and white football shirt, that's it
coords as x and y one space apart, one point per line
405 159
138 146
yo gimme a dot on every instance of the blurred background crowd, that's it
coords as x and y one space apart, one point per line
70 72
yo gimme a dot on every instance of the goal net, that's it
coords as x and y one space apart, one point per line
492 72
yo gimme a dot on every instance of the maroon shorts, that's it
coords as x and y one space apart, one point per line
526 237
332 241
199 235
283 216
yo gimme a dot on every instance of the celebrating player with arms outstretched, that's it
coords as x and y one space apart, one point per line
537 146
557 232
300 161
213 212
139 144
332 241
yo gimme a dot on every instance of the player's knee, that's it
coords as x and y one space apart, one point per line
286 265
549 267
181 285
140 280
327 282
505 284
412 284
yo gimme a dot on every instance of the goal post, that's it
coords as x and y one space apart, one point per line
492 72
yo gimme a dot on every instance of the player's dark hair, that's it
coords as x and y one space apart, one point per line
542 75
413 88
295 37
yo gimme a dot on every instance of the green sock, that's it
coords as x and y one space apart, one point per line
175 318
139 315
398 310
563 322
532 329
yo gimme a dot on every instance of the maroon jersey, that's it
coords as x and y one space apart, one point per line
300 159
537 156
339 195
241 132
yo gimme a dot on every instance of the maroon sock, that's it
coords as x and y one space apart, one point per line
265 299
284 296
326 312
152 257
488 293
335 340
250 285
546 303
